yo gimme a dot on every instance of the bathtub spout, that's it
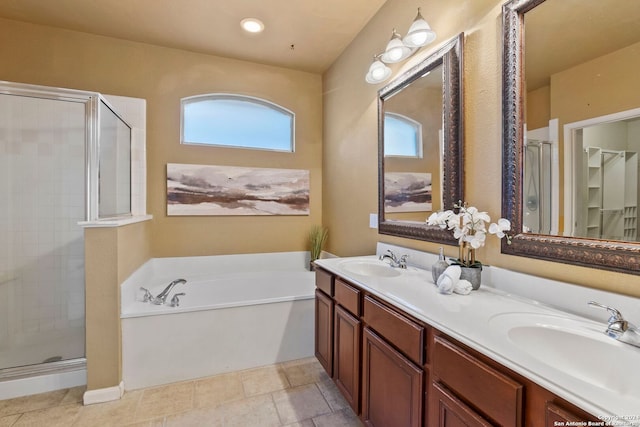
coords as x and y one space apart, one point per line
162 296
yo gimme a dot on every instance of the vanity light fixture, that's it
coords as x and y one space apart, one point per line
378 71
252 25
398 49
420 33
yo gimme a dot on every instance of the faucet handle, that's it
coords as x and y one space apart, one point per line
402 262
175 301
147 295
616 316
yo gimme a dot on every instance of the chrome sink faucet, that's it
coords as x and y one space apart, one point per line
618 328
394 261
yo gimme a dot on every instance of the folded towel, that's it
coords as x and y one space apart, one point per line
445 285
454 272
463 287
448 279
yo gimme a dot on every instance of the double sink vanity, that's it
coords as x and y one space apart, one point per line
403 354
521 350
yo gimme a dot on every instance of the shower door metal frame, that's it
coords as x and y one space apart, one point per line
90 99
544 197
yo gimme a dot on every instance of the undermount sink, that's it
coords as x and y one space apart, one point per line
369 268
574 347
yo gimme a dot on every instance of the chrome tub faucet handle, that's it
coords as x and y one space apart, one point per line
175 301
147 295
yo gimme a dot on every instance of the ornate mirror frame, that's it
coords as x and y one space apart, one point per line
603 254
449 56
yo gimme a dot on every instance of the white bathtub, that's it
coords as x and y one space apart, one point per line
239 312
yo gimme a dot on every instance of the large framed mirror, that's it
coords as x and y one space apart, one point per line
420 146
571 131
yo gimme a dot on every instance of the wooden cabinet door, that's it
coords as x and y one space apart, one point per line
392 385
446 410
346 356
324 331
557 416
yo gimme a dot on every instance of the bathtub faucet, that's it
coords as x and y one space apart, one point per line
162 296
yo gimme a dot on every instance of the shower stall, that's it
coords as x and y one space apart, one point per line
52 143
537 186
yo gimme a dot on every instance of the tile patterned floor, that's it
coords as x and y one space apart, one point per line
296 393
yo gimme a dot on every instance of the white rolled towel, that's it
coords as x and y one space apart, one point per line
448 279
445 285
463 287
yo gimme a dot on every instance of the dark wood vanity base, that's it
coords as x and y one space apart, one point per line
396 370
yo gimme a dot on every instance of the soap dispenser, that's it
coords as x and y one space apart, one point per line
439 267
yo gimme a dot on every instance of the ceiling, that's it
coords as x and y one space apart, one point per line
305 35
560 34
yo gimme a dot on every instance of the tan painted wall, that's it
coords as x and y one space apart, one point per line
538 108
605 85
162 76
52 57
350 174
111 254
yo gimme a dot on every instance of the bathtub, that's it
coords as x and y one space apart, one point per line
239 312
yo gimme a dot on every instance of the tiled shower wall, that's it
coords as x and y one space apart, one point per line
42 184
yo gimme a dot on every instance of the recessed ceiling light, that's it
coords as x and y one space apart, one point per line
252 25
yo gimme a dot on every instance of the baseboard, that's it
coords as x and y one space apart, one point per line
102 395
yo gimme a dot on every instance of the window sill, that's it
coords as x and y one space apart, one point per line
115 222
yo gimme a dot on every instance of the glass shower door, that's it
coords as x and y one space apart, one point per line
42 192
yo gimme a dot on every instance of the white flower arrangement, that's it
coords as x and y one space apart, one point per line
469 226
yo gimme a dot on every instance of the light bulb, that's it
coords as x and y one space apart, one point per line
396 51
378 72
252 25
420 33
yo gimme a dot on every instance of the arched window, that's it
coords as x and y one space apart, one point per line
402 136
236 121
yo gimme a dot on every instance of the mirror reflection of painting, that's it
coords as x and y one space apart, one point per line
413 149
407 192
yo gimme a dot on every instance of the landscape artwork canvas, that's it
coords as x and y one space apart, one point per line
407 192
228 190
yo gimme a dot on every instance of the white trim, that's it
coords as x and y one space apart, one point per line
116 222
42 383
102 395
554 133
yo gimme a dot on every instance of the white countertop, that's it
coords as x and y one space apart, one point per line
481 320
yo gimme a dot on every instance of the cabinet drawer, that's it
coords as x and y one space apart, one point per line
347 296
492 394
557 416
324 281
400 331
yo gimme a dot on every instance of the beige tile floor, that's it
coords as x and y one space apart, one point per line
296 393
